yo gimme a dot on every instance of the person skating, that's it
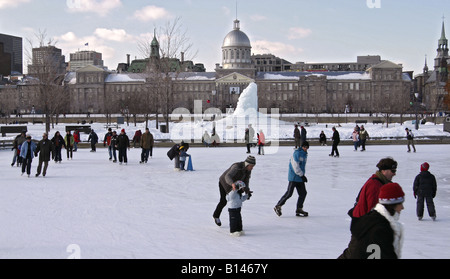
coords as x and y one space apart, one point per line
76 140
27 152
363 137
58 143
236 197
322 139
114 140
297 180
46 151
69 143
240 171
336 140
123 143
424 189
146 144
410 139
17 144
367 197
297 136
379 234
107 142
93 139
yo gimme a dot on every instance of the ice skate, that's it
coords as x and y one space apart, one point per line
300 213
217 221
277 210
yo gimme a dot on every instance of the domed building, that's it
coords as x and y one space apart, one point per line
236 53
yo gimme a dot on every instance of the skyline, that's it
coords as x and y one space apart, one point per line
403 32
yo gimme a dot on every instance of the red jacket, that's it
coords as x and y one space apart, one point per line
368 196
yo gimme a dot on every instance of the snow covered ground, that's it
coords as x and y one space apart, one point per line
89 207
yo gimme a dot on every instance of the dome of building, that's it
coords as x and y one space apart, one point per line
236 38
236 49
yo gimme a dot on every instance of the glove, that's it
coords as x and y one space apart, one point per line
304 179
415 196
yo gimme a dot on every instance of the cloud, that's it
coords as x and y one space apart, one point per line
71 43
149 13
118 35
276 48
298 33
258 17
100 7
4 4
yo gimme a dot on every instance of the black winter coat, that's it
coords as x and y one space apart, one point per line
425 185
45 148
123 142
372 228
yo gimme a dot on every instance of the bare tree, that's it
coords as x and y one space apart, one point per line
48 71
164 68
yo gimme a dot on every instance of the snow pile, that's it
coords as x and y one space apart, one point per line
248 102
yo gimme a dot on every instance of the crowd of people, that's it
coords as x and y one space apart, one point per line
375 228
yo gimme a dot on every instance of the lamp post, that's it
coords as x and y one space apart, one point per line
416 95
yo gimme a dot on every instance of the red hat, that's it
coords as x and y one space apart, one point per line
123 131
391 193
424 167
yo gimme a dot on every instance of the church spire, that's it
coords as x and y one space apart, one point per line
425 68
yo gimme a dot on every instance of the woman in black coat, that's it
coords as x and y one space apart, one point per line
425 188
378 234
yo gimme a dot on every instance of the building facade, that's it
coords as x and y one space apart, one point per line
81 59
371 85
12 46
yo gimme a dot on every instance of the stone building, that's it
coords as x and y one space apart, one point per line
375 87
430 85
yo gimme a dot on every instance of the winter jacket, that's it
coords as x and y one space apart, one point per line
147 140
69 140
123 141
45 149
58 141
114 139
355 136
335 137
107 139
297 165
368 195
76 136
236 199
261 138
425 185
236 172
296 133
363 134
303 134
93 138
18 141
376 235
24 149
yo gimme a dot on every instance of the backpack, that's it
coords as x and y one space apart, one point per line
173 151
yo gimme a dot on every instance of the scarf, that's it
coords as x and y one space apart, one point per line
396 226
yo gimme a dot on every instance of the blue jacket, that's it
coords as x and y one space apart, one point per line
235 199
24 149
297 165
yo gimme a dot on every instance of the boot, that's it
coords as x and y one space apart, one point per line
277 210
300 213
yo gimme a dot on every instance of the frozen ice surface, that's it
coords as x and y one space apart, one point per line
150 211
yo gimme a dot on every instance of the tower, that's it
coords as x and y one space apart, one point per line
442 50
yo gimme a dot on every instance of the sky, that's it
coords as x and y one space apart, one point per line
402 31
